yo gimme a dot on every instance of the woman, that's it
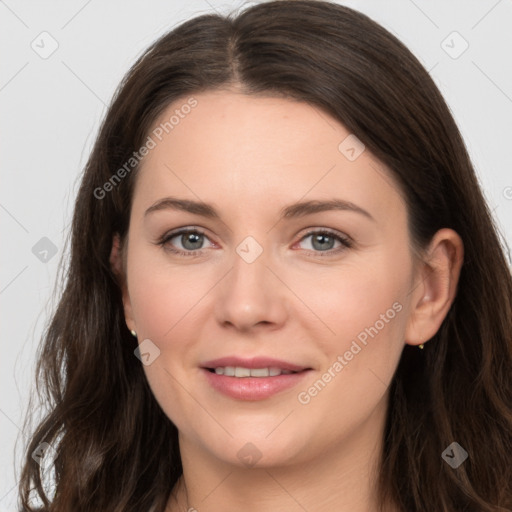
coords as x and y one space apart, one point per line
285 292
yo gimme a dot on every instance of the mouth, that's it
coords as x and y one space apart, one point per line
252 379
241 372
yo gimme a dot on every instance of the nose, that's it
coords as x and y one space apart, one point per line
251 296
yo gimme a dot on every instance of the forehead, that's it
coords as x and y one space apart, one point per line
242 128
249 150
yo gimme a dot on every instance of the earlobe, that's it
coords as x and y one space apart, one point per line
436 286
118 268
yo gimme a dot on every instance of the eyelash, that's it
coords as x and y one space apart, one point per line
346 243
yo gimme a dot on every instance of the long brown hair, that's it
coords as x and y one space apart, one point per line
115 449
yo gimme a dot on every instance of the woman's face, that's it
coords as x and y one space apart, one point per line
250 281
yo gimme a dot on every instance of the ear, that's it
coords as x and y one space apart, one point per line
435 286
118 265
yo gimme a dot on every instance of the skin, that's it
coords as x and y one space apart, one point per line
250 157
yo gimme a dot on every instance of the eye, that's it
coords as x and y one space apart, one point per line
322 241
191 241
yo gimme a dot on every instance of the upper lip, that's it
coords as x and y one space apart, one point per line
253 362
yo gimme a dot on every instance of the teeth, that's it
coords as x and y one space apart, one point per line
260 372
229 371
242 372
237 371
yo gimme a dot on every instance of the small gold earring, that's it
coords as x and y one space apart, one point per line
134 334
422 346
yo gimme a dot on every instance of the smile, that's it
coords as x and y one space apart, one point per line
252 384
238 371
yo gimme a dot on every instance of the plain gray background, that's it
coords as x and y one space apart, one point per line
51 107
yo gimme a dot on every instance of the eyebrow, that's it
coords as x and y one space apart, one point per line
291 211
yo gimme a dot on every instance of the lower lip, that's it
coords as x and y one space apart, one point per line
253 388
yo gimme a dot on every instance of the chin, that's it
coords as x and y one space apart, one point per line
257 449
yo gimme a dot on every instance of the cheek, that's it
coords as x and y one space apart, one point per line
368 316
164 297
163 301
354 299
364 316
